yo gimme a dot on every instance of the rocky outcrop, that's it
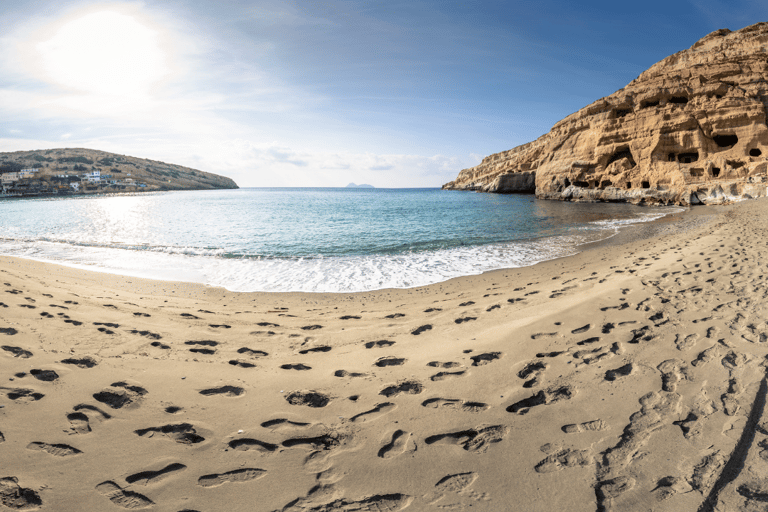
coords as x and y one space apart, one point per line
689 130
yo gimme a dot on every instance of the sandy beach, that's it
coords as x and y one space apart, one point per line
629 377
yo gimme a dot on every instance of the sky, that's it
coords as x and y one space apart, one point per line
280 93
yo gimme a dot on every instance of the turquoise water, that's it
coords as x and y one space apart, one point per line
306 239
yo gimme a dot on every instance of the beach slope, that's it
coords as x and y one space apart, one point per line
629 377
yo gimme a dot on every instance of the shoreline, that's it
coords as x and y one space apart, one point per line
333 274
171 395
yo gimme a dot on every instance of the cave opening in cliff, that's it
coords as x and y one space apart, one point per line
621 112
622 153
680 100
725 141
715 172
671 157
734 163
755 152
629 185
646 184
649 104
567 183
582 184
604 184
687 158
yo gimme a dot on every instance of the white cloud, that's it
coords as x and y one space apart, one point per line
214 110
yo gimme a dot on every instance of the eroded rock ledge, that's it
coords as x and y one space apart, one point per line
689 130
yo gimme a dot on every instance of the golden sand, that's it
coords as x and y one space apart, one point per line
628 377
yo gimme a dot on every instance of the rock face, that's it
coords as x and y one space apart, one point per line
689 130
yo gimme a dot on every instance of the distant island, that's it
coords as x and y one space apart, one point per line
352 185
75 171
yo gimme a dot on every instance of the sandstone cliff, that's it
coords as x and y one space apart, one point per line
689 130
156 175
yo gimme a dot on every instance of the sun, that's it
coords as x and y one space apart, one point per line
106 53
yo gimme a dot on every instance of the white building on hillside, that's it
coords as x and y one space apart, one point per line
93 176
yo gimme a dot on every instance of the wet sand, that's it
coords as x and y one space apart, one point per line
628 377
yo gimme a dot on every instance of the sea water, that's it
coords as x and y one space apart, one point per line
307 239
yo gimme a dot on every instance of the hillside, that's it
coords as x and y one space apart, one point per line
691 129
58 168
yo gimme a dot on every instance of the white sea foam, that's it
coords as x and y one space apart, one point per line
317 274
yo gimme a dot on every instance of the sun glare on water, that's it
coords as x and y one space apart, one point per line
105 53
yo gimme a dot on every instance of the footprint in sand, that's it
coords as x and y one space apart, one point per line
238 475
153 476
465 319
447 364
476 440
345 373
57 450
17 351
540 335
182 433
588 426
379 344
12 495
410 387
389 361
314 349
121 394
459 484
588 341
252 352
44 375
455 404
564 459
22 394
296 366
399 443
421 329
308 398
146 334
78 423
377 412
247 444
534 368
482 359
227 390
122 498
83 362
580 330
622 371
279 424
241 364
446 375
543 397
93 409
395 315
